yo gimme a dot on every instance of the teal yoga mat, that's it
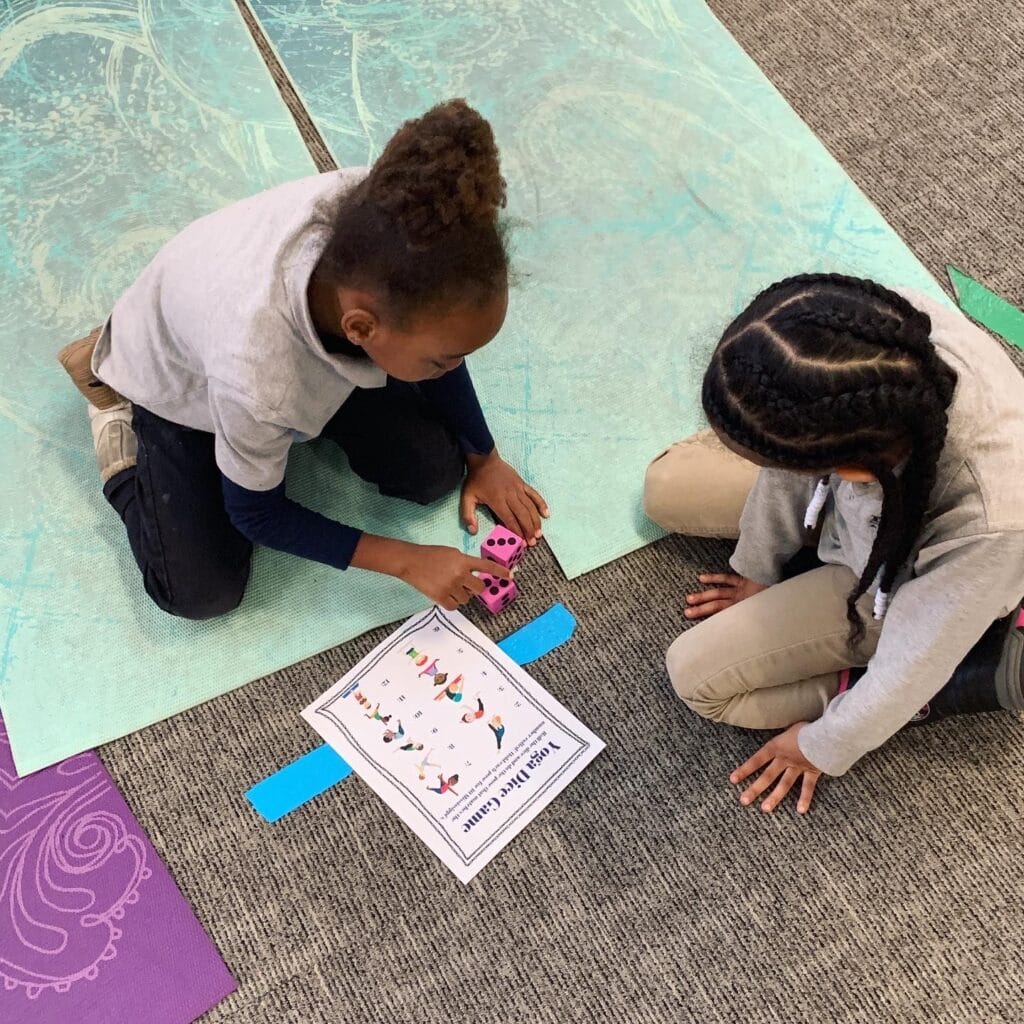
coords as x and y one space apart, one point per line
120 122
659 181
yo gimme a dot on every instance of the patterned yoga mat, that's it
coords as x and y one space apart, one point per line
121 122
93 929
656 180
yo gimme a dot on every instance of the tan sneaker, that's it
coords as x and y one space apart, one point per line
117 448
76 358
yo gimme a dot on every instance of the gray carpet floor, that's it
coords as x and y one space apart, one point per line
645 892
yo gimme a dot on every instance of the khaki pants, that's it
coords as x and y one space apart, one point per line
775 658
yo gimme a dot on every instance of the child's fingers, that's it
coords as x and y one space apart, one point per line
762 782
710 595
489 567
726 579
709 608
515 517
531 510
512 519
752 763
504 514
782 787
473 585
528 518
807 791
538 500
467 510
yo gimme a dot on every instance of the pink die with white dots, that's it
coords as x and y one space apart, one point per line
497 592
504 547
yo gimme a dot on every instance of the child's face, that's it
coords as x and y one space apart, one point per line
430 345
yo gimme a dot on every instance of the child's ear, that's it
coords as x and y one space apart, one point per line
359 326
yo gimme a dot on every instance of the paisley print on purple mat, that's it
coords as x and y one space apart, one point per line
70 870
92 927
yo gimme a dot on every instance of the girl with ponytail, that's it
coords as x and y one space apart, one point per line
886 431
341 305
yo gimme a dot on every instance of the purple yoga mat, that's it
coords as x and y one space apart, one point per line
93 929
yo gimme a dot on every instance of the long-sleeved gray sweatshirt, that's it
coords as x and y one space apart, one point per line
966 570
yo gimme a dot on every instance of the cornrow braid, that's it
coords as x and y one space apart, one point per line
825 370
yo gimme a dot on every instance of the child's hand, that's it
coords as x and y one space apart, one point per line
786 765
445 575
729 589
493 482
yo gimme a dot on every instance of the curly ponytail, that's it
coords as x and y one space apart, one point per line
423 228
439 172
823 370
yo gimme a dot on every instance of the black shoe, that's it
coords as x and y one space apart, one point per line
1010 673
990 678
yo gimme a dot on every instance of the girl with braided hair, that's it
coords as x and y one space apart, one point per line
887 430
341 305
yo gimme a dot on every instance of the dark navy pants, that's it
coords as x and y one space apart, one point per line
194 562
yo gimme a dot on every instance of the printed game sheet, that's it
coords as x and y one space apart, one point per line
454 736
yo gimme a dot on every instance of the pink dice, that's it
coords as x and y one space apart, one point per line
497 593
504 547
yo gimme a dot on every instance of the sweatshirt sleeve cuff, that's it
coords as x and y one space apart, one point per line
754 566
348 541
820 749
481 444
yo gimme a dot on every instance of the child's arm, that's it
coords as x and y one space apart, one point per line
454 398
491 481
252 453
960 587
273 520
772 524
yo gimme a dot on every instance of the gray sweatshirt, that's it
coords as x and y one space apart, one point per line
967 568
216 333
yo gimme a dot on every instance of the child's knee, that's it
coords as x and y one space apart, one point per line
698 487
430 481
679 490
688 671
661 492
199 600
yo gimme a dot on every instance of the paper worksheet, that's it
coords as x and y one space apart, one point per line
462 744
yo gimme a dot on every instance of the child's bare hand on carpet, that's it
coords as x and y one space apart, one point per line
784 765
493 482
728 589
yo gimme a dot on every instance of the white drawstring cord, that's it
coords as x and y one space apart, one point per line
817 504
